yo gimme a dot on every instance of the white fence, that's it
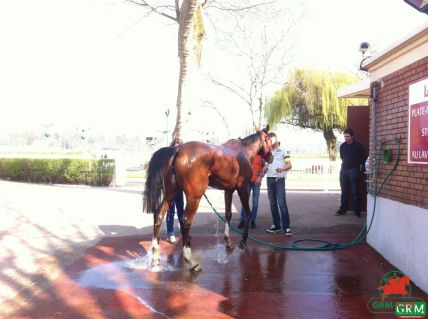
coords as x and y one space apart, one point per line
313 174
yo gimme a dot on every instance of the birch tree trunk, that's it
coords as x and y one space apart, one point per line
185 52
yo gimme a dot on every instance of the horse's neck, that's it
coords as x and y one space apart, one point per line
249 150
252 150
232 142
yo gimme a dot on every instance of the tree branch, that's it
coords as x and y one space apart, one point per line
234 91
177 9
207 3
155 9
212 106
236 9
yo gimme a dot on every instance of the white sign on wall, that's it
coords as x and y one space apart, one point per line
417 151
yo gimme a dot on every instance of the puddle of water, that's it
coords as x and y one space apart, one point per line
120 275
217 253
116 276
150 307
145 263
113 275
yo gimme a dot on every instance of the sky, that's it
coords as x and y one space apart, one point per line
103 65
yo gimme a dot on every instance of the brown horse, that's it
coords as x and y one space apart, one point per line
192 167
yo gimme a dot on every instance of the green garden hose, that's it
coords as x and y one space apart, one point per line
324 244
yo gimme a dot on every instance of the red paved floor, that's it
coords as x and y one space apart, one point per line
112 281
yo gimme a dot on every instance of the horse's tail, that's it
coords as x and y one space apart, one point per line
154 189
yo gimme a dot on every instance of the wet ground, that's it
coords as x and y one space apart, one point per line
114 280
112 277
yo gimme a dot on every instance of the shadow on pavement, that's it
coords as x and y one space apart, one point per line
94 264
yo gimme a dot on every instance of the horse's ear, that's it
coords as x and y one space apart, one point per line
267 128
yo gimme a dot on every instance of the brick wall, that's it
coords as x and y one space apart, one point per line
408 183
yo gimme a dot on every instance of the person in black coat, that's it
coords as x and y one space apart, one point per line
353 159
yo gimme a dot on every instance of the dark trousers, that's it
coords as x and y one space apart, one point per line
276 194
350 177
255 189
179 204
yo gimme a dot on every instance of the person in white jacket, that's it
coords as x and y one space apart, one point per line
276 176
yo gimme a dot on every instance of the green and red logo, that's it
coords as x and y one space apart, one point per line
395 297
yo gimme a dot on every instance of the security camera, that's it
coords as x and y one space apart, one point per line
364 47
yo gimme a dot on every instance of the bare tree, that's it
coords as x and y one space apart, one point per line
211 105
189 15
262 44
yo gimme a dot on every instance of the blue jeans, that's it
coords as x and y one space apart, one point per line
276 194
179 204
350 176
255 188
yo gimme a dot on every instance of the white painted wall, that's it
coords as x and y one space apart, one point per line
400 234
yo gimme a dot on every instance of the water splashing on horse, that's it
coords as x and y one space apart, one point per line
192 167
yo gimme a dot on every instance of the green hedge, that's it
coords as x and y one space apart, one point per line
59 171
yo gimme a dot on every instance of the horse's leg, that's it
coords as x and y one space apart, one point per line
228 214
157 222
189 212
244 196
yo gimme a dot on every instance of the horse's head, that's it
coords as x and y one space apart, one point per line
266 146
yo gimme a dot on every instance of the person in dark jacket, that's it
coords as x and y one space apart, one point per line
353 159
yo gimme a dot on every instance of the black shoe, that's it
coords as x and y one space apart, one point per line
340 213
241 225
253 224
273 229
288 232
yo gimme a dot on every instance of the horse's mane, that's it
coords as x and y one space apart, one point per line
251 138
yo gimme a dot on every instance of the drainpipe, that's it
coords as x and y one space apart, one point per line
374 87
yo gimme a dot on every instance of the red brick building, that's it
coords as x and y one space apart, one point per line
398 92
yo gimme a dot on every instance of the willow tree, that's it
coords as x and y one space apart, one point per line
309 100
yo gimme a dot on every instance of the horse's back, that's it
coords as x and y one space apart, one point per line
200 164
194 153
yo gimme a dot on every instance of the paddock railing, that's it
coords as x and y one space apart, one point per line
313 174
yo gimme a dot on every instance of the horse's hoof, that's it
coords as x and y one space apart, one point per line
156 262
156 268
230 248
242 245
195 269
